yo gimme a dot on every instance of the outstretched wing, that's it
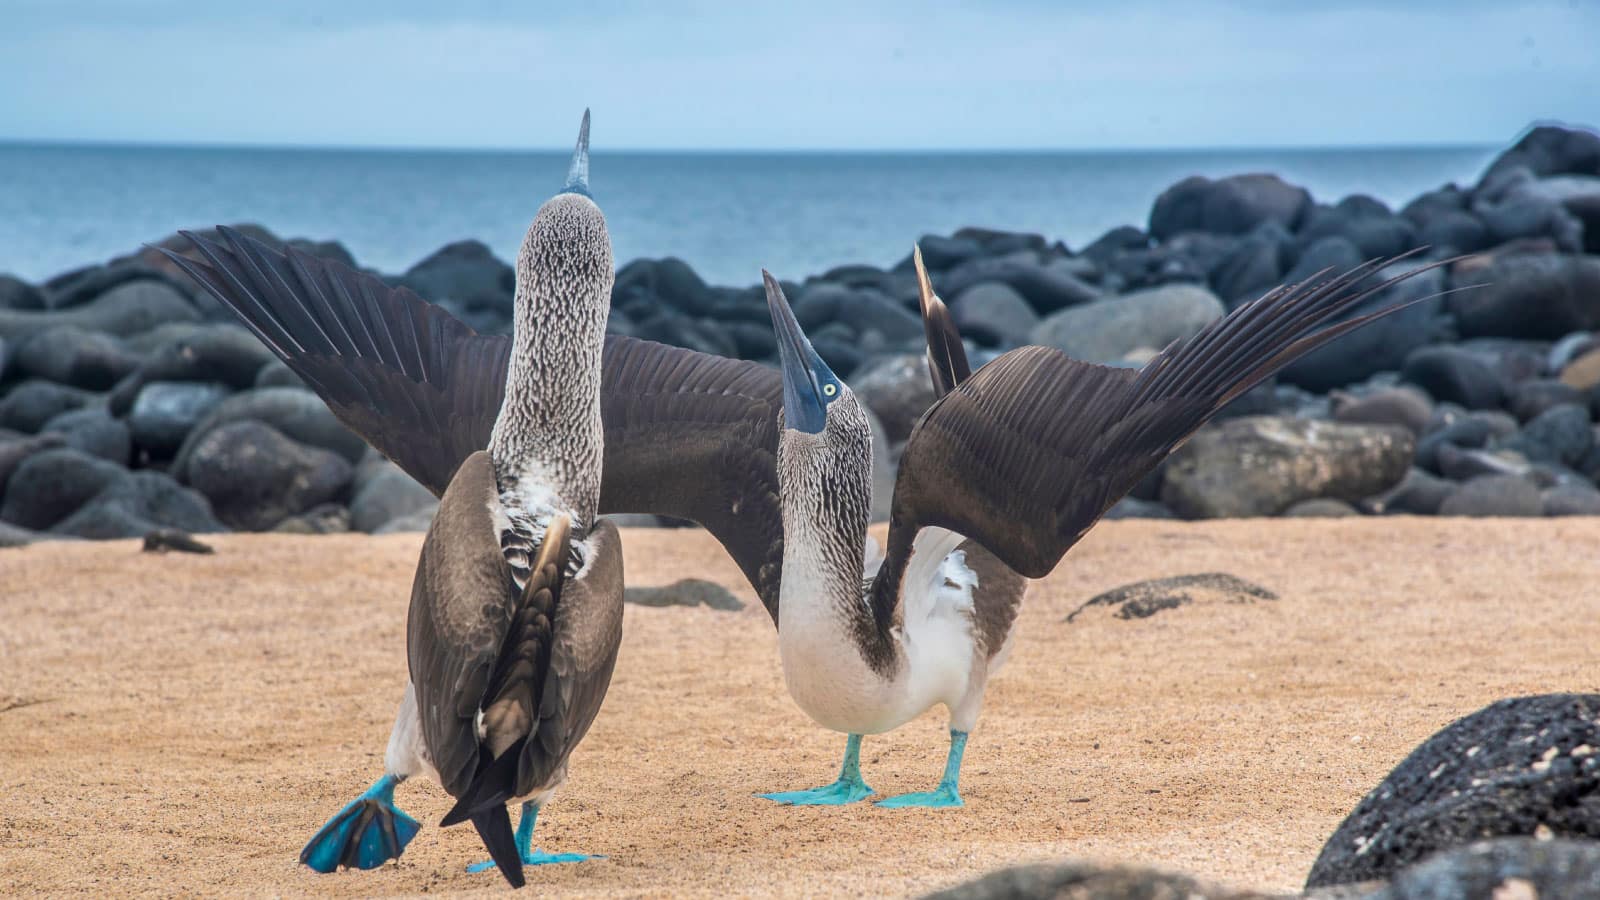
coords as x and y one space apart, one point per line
687 434
1027 454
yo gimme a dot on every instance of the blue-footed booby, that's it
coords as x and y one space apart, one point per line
516 608
1007 469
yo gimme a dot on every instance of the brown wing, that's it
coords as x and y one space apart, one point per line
462 602
1030 451
586 634
687 435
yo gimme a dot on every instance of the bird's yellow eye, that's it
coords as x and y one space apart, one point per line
830 390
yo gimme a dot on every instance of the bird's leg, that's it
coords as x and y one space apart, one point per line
848 789
946 794
530 856
368 832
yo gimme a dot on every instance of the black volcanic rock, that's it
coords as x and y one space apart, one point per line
1232 205
1454 376
52 484
1531 296
1550 150
67 354
255 477
30 404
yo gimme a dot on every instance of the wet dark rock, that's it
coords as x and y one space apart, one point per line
1532 397
163 540
1143 599
298 414
684 592
1321 508
1403 406
16 447
1232 205
1114 243
842 354
1520 216
1420 493
1364 223
1561 434
220 354
1435 203
1494 495
1505 869
386 493
670 281
51 485
940 253
137 503
166 411
1571 500
898 390
78 287
1046 289
127 309
1135 508
94 432
467 274
1531 296
668 327
1549 150
1459 232
1262 465
1383 345
18 294
1465 464
69 355
994 313
1106 330
1453 375
28 406
860 310
255 477
1087 881
1333 254
1521 767
1255 266
276 374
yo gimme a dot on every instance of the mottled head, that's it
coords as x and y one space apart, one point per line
564 266
825 446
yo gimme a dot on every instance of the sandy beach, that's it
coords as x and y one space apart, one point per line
181 724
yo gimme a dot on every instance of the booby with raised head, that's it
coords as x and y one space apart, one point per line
1007 469
516 608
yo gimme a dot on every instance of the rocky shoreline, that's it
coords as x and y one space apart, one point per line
130 401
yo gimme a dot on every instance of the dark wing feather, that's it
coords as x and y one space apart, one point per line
1030 451
411 379
947 356
687 435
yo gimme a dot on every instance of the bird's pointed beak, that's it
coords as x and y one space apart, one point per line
803 409
925 295
578 172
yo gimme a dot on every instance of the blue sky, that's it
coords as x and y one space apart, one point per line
827 74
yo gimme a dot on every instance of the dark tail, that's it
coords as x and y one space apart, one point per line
494 827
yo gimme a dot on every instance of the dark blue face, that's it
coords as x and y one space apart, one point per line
809 386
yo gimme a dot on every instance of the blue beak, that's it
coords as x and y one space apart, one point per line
578 172
803 409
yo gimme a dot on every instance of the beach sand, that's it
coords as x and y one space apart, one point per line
182 724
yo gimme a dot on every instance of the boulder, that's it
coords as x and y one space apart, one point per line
1419 493
1321 508
67 354
15 447
52 484
1531 296
667 326
1122 239
298 414
94 432
79 286
1560 434
1255 265
417 521
1106 330
993 313
1403 406
860 310
1549 150
1464 465
1135 508
166 411
1364 222
1046 289
276 374
129 308
1521 767
1494 496
899 390
467 274
1426 206
1505 869
646 284
1087 881
255 477
1262 465
1583 372
1534 396
29 405
18 294
1458 231
685 592
385 493
1571 500
1328 256
940 253
1452 375
136 504
329 518
217 354
1232 205
16 536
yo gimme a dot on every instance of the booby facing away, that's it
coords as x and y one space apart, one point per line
1001 476
516 609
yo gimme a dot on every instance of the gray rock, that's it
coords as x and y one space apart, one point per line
1453 375
1504 869
67 354
276 374
1402 406
685 592
52 484
1549 150
1420 493
1494 495
136 504
899 390
1046 289
18 294
1560 434
646 283
1321 508
129 308
1233 205
940 253
1255 265
165 412
385 494
860 310
417 521
298 414
94 432
1383 345
1534 396
15 447
1530 296
1571 500
1087 881
17 536
216 354
1458 231
994 313
1134 508
1106 330
329 518
1465 464
1332 255
1262 465
255 477
28 406
465 272
1521 767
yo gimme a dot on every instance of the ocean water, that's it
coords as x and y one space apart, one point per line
727 214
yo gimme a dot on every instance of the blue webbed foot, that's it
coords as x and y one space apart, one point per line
367 833
943 796
536 858
839 793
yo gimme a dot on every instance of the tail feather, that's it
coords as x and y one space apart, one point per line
947 356
494 784
494 827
